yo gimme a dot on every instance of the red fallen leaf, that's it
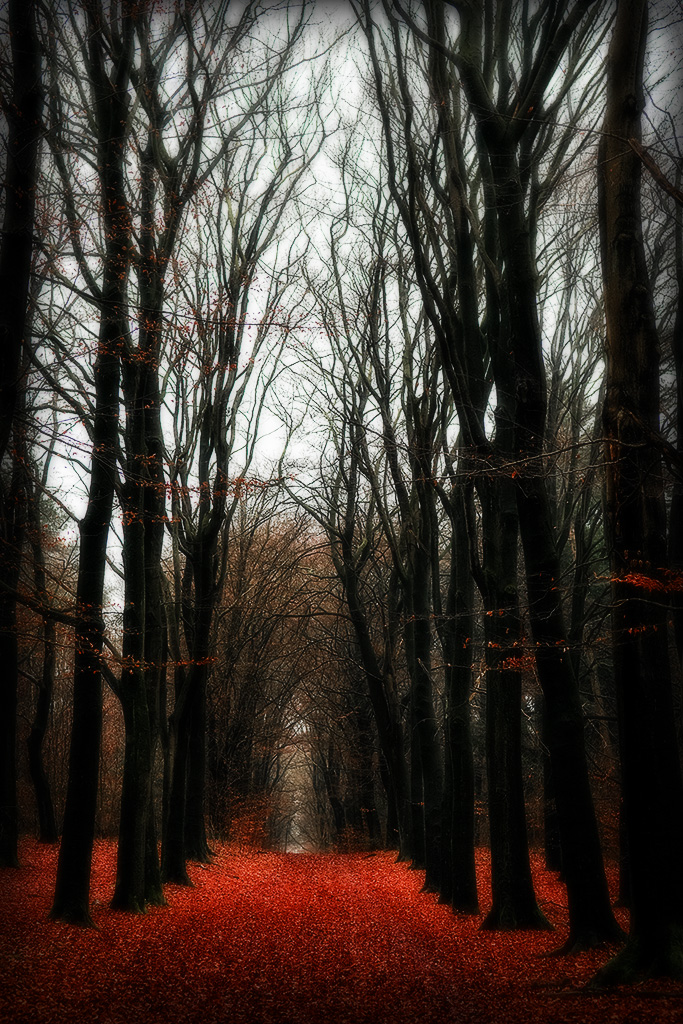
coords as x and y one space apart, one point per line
298 938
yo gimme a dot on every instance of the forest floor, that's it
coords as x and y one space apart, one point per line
294 939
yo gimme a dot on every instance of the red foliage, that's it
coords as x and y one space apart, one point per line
279 939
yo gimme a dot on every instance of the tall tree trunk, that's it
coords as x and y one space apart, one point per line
551 832
650 767
514 900
23 111
429 785
196 843
461 887
676 511
73 883
47 824
173 865
386 712
12 523
72 890
591 918
129 892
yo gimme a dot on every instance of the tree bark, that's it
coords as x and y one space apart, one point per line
651 776
514 900
428 792
13 524
110 100
459 881
23 112
591 918
47 824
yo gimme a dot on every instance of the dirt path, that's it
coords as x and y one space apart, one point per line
289 939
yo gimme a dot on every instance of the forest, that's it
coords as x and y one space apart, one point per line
341 498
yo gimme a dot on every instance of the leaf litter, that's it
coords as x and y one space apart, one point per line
271 938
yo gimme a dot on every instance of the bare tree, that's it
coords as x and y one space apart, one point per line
652 786
479 98
21 102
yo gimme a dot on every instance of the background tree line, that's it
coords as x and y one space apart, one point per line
341 444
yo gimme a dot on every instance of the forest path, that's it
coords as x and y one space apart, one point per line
289 939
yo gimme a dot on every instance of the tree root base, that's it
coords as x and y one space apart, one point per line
507 920
640 959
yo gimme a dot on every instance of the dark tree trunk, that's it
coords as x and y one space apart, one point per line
71 902
459 882
429 785
675 549
173 861
417 813
499 139
650 767
138 875
372 832
196 844
386 712
138 879
155 655
205 594
464 882
551 832
591 918
72 888
391 833
129 892
185 834
23 112
47 824
514 900
12 524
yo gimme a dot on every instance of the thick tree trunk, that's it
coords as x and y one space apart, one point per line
23 112
591 918
72 889
514 900
460 611
71 902
173 863
138 879
185 834
423 718
650 767
551 832
196 844
47 824
129 892
155 655
417 811
459 882
12 524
